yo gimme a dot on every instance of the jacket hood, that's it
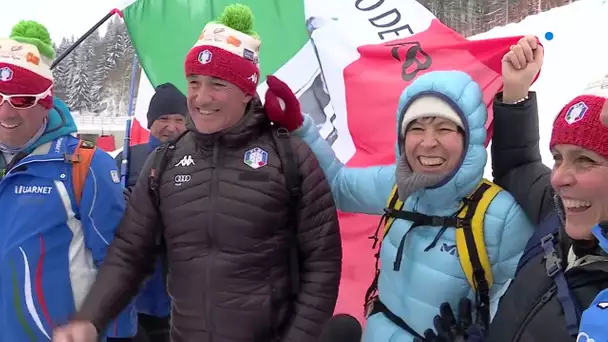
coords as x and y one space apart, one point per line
465 96
60 123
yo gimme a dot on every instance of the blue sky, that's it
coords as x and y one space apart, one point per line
61 17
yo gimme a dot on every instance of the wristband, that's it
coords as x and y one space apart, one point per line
523 99
520 100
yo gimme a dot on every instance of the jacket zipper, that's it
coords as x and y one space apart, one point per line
537 306
211 225
30 162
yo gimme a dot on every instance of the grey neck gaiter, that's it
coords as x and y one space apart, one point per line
408 181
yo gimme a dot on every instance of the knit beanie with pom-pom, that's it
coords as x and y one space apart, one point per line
25 62
228 49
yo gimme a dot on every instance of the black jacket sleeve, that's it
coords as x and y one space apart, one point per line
516 160
129 259
321 249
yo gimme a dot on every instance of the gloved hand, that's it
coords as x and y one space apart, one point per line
450 330
282 106
127 192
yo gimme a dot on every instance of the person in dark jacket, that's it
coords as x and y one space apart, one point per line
167 114
226 217
564 268
166 121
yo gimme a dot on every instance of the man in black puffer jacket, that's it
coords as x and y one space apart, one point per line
252 256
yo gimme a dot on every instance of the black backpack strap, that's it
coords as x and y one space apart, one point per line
482 292
293 180
555 271
163 154
379 307
550 225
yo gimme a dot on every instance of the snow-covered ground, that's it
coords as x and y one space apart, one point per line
574 57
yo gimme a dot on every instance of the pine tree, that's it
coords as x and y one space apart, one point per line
79 97
60 72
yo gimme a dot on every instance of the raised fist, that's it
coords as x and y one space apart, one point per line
520 66
282 106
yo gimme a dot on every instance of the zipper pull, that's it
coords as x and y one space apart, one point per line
547 296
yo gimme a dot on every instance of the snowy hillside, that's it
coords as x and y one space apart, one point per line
573 58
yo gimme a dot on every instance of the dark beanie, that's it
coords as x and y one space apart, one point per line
167 100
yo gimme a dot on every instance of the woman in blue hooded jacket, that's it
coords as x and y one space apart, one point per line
440 161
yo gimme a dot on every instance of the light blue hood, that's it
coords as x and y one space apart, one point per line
60 123
466 97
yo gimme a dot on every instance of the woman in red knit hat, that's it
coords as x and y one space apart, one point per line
563 267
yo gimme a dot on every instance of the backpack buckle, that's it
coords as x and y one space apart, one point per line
282 132
547 239
71 158
437 221
552 264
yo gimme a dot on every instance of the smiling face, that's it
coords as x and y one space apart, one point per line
214 104
168 127
433 145
18 126
579 177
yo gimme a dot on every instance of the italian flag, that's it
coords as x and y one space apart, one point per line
347 60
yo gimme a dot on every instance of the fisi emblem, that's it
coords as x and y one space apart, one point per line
115 176
256 158
576 113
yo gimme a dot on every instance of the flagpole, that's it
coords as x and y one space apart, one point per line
124 166
85 36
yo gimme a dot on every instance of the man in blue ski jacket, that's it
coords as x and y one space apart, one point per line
58 217
166 121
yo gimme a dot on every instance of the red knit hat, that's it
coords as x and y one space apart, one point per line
25 60
578 123
228 49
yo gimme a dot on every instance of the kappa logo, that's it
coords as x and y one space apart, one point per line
576 113
186 161
253 78
6 74
414 49
256 158
205 57
180 179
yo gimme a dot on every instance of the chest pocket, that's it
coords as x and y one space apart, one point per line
470 243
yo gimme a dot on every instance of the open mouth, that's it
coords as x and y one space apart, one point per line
431 162
575 206
207 112
8 126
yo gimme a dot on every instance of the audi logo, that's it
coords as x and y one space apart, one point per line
182 178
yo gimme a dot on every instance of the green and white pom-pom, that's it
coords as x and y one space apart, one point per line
240 18
32 32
